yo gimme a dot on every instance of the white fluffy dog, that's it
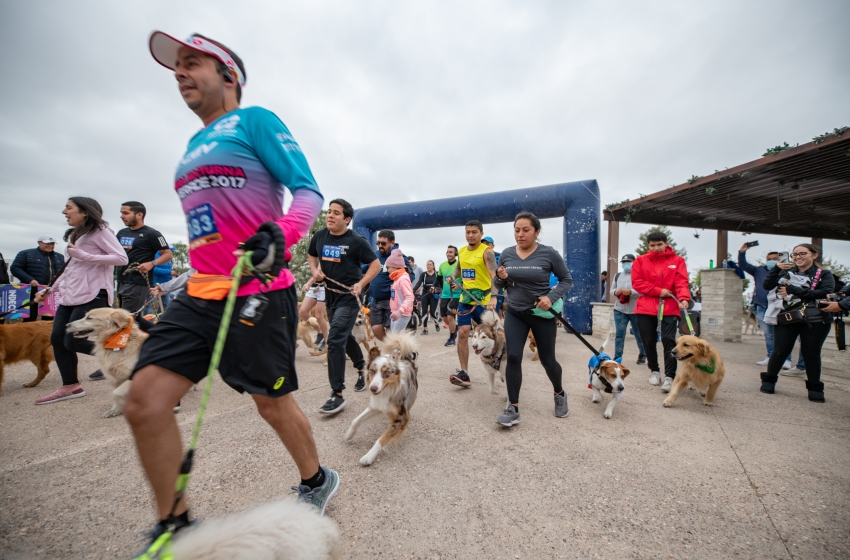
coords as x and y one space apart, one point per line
282 530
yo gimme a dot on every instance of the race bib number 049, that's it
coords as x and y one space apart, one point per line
468 273
331 253
202 228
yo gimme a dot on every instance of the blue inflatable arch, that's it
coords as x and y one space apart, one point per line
577 202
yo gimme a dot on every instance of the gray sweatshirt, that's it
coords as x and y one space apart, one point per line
532 275
624 282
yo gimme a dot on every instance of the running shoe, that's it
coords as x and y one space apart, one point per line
333 405
322 347
668 384
787 364
450 342
424 331
159 529
510 417
63 393
361 382
641 359
436 325
561 408
655 378
461 379
319 497
763 362
794 372
97 376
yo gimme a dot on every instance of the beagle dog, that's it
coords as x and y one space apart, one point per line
606 375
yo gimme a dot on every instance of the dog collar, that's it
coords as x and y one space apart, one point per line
608 387
707 369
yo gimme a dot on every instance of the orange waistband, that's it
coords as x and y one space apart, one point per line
209 286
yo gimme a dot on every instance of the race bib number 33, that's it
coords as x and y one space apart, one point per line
202 228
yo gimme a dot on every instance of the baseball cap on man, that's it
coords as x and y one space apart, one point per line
489 239
628 257
46 239
164 49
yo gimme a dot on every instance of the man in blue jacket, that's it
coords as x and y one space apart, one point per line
759 273
38 266
381 285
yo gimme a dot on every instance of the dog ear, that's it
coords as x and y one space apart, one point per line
374 352
625 371
121 318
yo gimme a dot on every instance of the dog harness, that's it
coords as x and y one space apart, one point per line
594 366
497 361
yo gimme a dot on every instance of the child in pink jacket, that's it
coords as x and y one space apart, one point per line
401 295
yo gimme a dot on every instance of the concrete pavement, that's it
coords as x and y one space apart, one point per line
756 476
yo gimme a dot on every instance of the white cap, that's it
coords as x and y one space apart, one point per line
164 49
46 239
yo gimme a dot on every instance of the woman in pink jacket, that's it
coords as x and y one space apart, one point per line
401 295
85 283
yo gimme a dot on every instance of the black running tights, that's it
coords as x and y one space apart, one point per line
517 326
428 307
811 342
66 346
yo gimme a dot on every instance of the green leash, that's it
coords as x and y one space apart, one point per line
161 547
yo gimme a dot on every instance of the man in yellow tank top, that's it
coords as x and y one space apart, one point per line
475 271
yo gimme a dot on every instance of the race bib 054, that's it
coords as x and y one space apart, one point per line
468 273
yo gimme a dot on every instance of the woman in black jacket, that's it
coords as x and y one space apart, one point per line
812 331
431 284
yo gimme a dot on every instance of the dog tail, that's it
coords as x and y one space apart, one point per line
604 344
490 317
403 345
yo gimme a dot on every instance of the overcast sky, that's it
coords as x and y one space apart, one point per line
400 101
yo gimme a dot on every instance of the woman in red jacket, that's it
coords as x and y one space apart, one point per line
660 275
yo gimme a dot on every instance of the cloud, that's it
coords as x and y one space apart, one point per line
394 102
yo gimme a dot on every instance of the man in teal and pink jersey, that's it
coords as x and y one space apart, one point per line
231 182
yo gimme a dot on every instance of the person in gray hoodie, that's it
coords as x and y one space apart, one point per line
625 298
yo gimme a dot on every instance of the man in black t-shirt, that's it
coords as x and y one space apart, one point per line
141 243
337 252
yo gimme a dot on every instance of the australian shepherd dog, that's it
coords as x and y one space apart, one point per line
391 378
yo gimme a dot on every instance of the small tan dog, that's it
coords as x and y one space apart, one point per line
700 365
26 341
117 342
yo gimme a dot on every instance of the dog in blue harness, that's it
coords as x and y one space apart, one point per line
606 375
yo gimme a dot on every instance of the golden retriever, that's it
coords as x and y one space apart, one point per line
117 341
700 365
26 341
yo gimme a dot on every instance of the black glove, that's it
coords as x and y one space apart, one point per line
261 243
268 246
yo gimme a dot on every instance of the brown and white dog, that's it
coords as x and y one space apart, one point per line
26 341
391 378
488 343
117 341
606 376
751 322
362 331
700 365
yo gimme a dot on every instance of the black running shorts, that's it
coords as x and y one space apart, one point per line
259 359
447 306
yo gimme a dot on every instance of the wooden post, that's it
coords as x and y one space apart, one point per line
722 247
818 242
612 255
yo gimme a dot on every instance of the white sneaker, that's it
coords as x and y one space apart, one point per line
655 378
668 384
763 362
787 365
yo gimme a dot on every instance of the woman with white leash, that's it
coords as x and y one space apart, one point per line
85 283
525 271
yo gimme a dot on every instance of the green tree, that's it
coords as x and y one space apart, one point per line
643 248
180 257
299 265
837 269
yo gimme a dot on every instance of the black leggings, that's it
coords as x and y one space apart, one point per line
65 346
428 307
811 342
517 326
647 325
